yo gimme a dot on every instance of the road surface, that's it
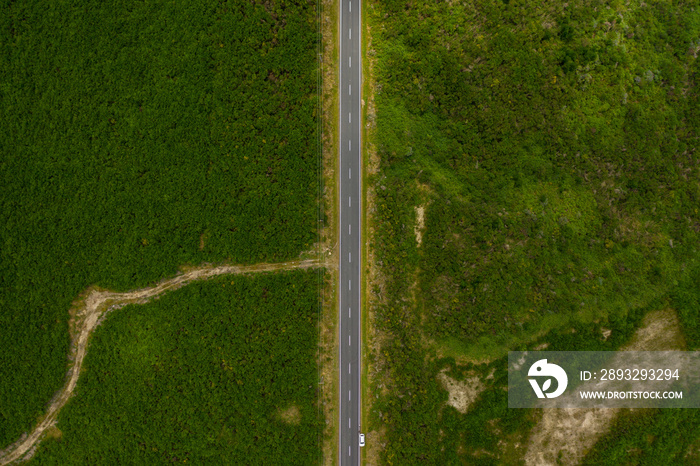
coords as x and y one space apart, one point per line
350 229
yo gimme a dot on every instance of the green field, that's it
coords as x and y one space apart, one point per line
203 375
553 148
137 137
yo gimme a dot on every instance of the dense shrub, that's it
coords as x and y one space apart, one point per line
137 137
221 372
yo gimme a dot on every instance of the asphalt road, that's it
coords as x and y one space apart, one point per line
350 230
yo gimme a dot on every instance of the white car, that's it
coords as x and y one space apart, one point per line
362 440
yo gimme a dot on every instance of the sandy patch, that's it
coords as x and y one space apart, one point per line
419 227
660 331
564 436
291 415
461 393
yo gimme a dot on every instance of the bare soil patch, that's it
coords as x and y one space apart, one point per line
461 393
564 436
419 227
660 331
291 415
427 196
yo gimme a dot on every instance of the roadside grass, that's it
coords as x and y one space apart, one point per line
367 127
329 196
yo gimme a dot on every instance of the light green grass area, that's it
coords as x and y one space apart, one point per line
553 148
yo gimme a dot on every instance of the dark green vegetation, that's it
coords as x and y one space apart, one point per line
136 137
200 376
555 151
659 437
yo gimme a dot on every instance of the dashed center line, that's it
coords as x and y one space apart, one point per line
349 257
350 34
350 62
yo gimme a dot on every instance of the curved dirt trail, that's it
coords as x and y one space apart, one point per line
86 316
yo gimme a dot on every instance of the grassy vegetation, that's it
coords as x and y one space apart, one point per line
657 437
136 137
197 377
554 148
328 11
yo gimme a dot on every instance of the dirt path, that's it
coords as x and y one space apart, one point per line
88 313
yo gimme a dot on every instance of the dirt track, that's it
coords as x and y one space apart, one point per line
86 316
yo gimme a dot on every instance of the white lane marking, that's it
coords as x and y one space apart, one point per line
349 284
350 62
349 201
349 397
348 423
349 89
349 229
348 368
349 117
349 173
349 451
340 324
349 344
350 146
349 314
350 33
349 257
350 7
